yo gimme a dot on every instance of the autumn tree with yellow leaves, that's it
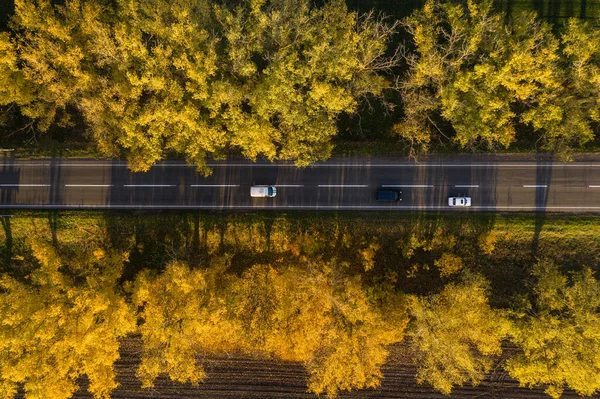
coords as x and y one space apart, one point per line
181 316
303 314
63 323
559 333
455 334
267 78
486 78
327 322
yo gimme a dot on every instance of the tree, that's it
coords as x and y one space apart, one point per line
455 334
182 315
328 324
64 322
14 89
559 333
265 77
485 77
448 40
579 97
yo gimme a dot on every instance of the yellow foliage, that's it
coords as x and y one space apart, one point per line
266 77
487 242
99 254
448 264
181 316
456 335
55 329
368 255
560 341
475 70
305 315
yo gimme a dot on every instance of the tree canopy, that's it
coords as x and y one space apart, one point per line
326 322
64 323
182 315
559 333
72 289
487 78
456 335
197 77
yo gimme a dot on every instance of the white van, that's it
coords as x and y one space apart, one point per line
263 191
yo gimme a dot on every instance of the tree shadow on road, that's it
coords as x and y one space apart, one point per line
543 179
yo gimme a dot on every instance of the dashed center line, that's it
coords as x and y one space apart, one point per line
594 186
289 185
408 185
149 185
536 186
344 185
214 185
467 186
88 185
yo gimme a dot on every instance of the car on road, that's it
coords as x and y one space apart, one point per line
459 201
263 191
387 194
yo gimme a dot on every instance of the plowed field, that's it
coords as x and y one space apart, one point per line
244 377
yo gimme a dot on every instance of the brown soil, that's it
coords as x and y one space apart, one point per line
240 377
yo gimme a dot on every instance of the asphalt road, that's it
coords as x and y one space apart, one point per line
336 184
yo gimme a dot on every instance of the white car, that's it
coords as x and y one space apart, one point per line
459 201
263 191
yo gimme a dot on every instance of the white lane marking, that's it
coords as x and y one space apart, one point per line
88 185
594 186
345 207
289 185
24 185
149 185
343 185
535 186
214 185
408 185
467 186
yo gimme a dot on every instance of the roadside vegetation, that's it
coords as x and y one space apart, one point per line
290 79
197 77
491 79
332 292
286 80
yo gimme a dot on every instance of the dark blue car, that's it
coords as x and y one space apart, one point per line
387 194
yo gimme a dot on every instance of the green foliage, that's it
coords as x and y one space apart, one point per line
560 334
456 335
266 77
63 323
